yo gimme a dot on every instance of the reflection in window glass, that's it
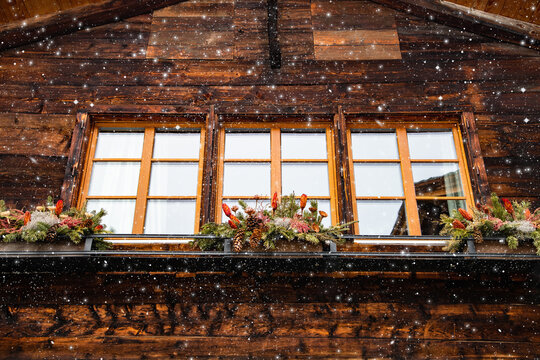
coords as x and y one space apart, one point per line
170 217
303 146
307 178
126 145
247 146
176 145
374 146
114 178
378 180
119 216
436 179
432 145
381 217
173 179
430 212
246 179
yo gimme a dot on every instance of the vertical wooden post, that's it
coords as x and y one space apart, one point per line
209 170
475 161
273 41
72 177
343 171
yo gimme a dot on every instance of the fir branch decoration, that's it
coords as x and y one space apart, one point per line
49 223
264 225
511 220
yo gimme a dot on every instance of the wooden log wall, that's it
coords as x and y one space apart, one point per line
441 69
262 316
111 68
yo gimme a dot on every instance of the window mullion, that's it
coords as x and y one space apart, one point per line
408 183
275 148
144 181
331 158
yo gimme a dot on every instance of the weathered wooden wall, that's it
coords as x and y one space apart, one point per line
441 69
261 316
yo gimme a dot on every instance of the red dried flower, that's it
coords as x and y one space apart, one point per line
465 214
59 207
99 227
233 225
226 210
456 224
323 214
27 217
508 206
235 219
274 201
303 201
527 214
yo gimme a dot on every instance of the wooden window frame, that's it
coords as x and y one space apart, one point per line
146 160
276 161
409 194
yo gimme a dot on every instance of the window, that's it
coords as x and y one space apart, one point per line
405 176
284 158
148 175
147 178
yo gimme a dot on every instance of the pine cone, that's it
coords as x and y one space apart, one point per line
238 240
252 223
51 233
255 238
477 236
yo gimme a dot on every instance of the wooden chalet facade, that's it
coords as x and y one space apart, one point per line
219 67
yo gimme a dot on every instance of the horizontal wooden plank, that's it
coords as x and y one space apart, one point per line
355 37
192 39
463 322
132 347
36 134
202 52
353 22
357 52
348 7
223 8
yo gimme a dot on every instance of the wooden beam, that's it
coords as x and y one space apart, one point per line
82 17
471 20
341 144
273 41
76 155
475 160
208 192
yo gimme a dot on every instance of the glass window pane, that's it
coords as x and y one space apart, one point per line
177 145
303 146
246 179
173 179
437 179
126 145
114 178
247 146
382 217
170 217
119 216
432 145
305 178
378 180
374 146
430 212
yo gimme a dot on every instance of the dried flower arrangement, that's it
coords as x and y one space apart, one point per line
286 220
511 220
49 223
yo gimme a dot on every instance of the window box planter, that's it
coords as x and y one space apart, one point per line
499 246
61 245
